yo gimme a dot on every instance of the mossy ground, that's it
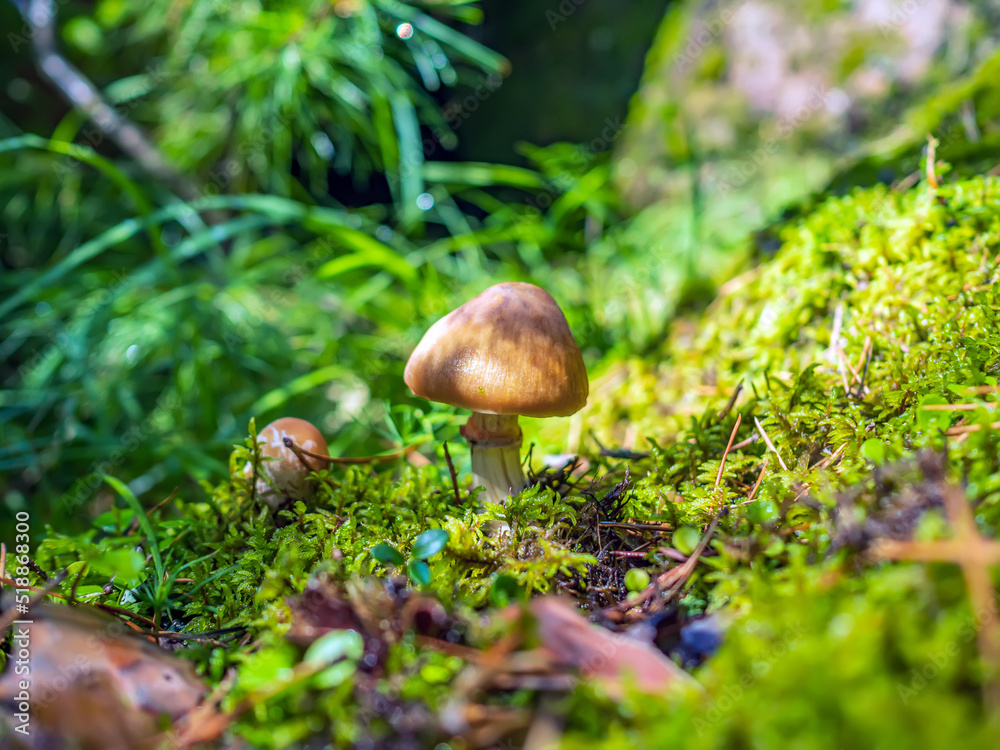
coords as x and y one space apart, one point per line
877 305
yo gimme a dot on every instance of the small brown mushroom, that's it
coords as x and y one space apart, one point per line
287 472
506 353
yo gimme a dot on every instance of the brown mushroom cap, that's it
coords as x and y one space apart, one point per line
287 471
507 351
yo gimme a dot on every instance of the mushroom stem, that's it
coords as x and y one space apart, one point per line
495 441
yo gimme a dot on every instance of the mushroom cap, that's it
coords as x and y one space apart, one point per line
286 470
507 351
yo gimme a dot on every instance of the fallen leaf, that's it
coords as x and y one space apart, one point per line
601 655
92 683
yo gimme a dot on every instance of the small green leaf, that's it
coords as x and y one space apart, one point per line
761 510
429 543
419 572
125 565
505 589
874 450
335 675
686 538
386 553
435 674
335 645
775 547
636 579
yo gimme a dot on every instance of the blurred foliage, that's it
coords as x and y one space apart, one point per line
749 112
140 331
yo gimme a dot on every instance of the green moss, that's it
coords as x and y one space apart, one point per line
823 648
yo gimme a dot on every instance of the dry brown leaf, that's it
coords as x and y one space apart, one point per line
598 654
94 683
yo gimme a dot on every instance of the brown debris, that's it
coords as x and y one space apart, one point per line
975 554
95 685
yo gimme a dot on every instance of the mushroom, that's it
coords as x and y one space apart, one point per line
288 473
506 353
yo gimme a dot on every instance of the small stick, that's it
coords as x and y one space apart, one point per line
175 636
967 428
824 462
864 374
675 577
630 553
847 362
109 608
840 369
454 476
768 443
744 443
932 144
13 613
347 460
957 407
32 565
760 478
732 401
635 526
729 447
290 444
135 521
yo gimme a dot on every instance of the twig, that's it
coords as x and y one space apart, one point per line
729 447
345 459
109 608
957 407
967 428
824 462
290 444
633 526
674 578
744 443
932 144
32 565
612 453
454 476
768 443
864 374
14 612
732 401
175 636
85 97
760 478
135 521
840 369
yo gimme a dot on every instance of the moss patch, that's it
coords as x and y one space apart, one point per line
877 306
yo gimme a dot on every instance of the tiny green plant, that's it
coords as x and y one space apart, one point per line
425 546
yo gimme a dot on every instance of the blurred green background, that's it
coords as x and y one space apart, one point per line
319 180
